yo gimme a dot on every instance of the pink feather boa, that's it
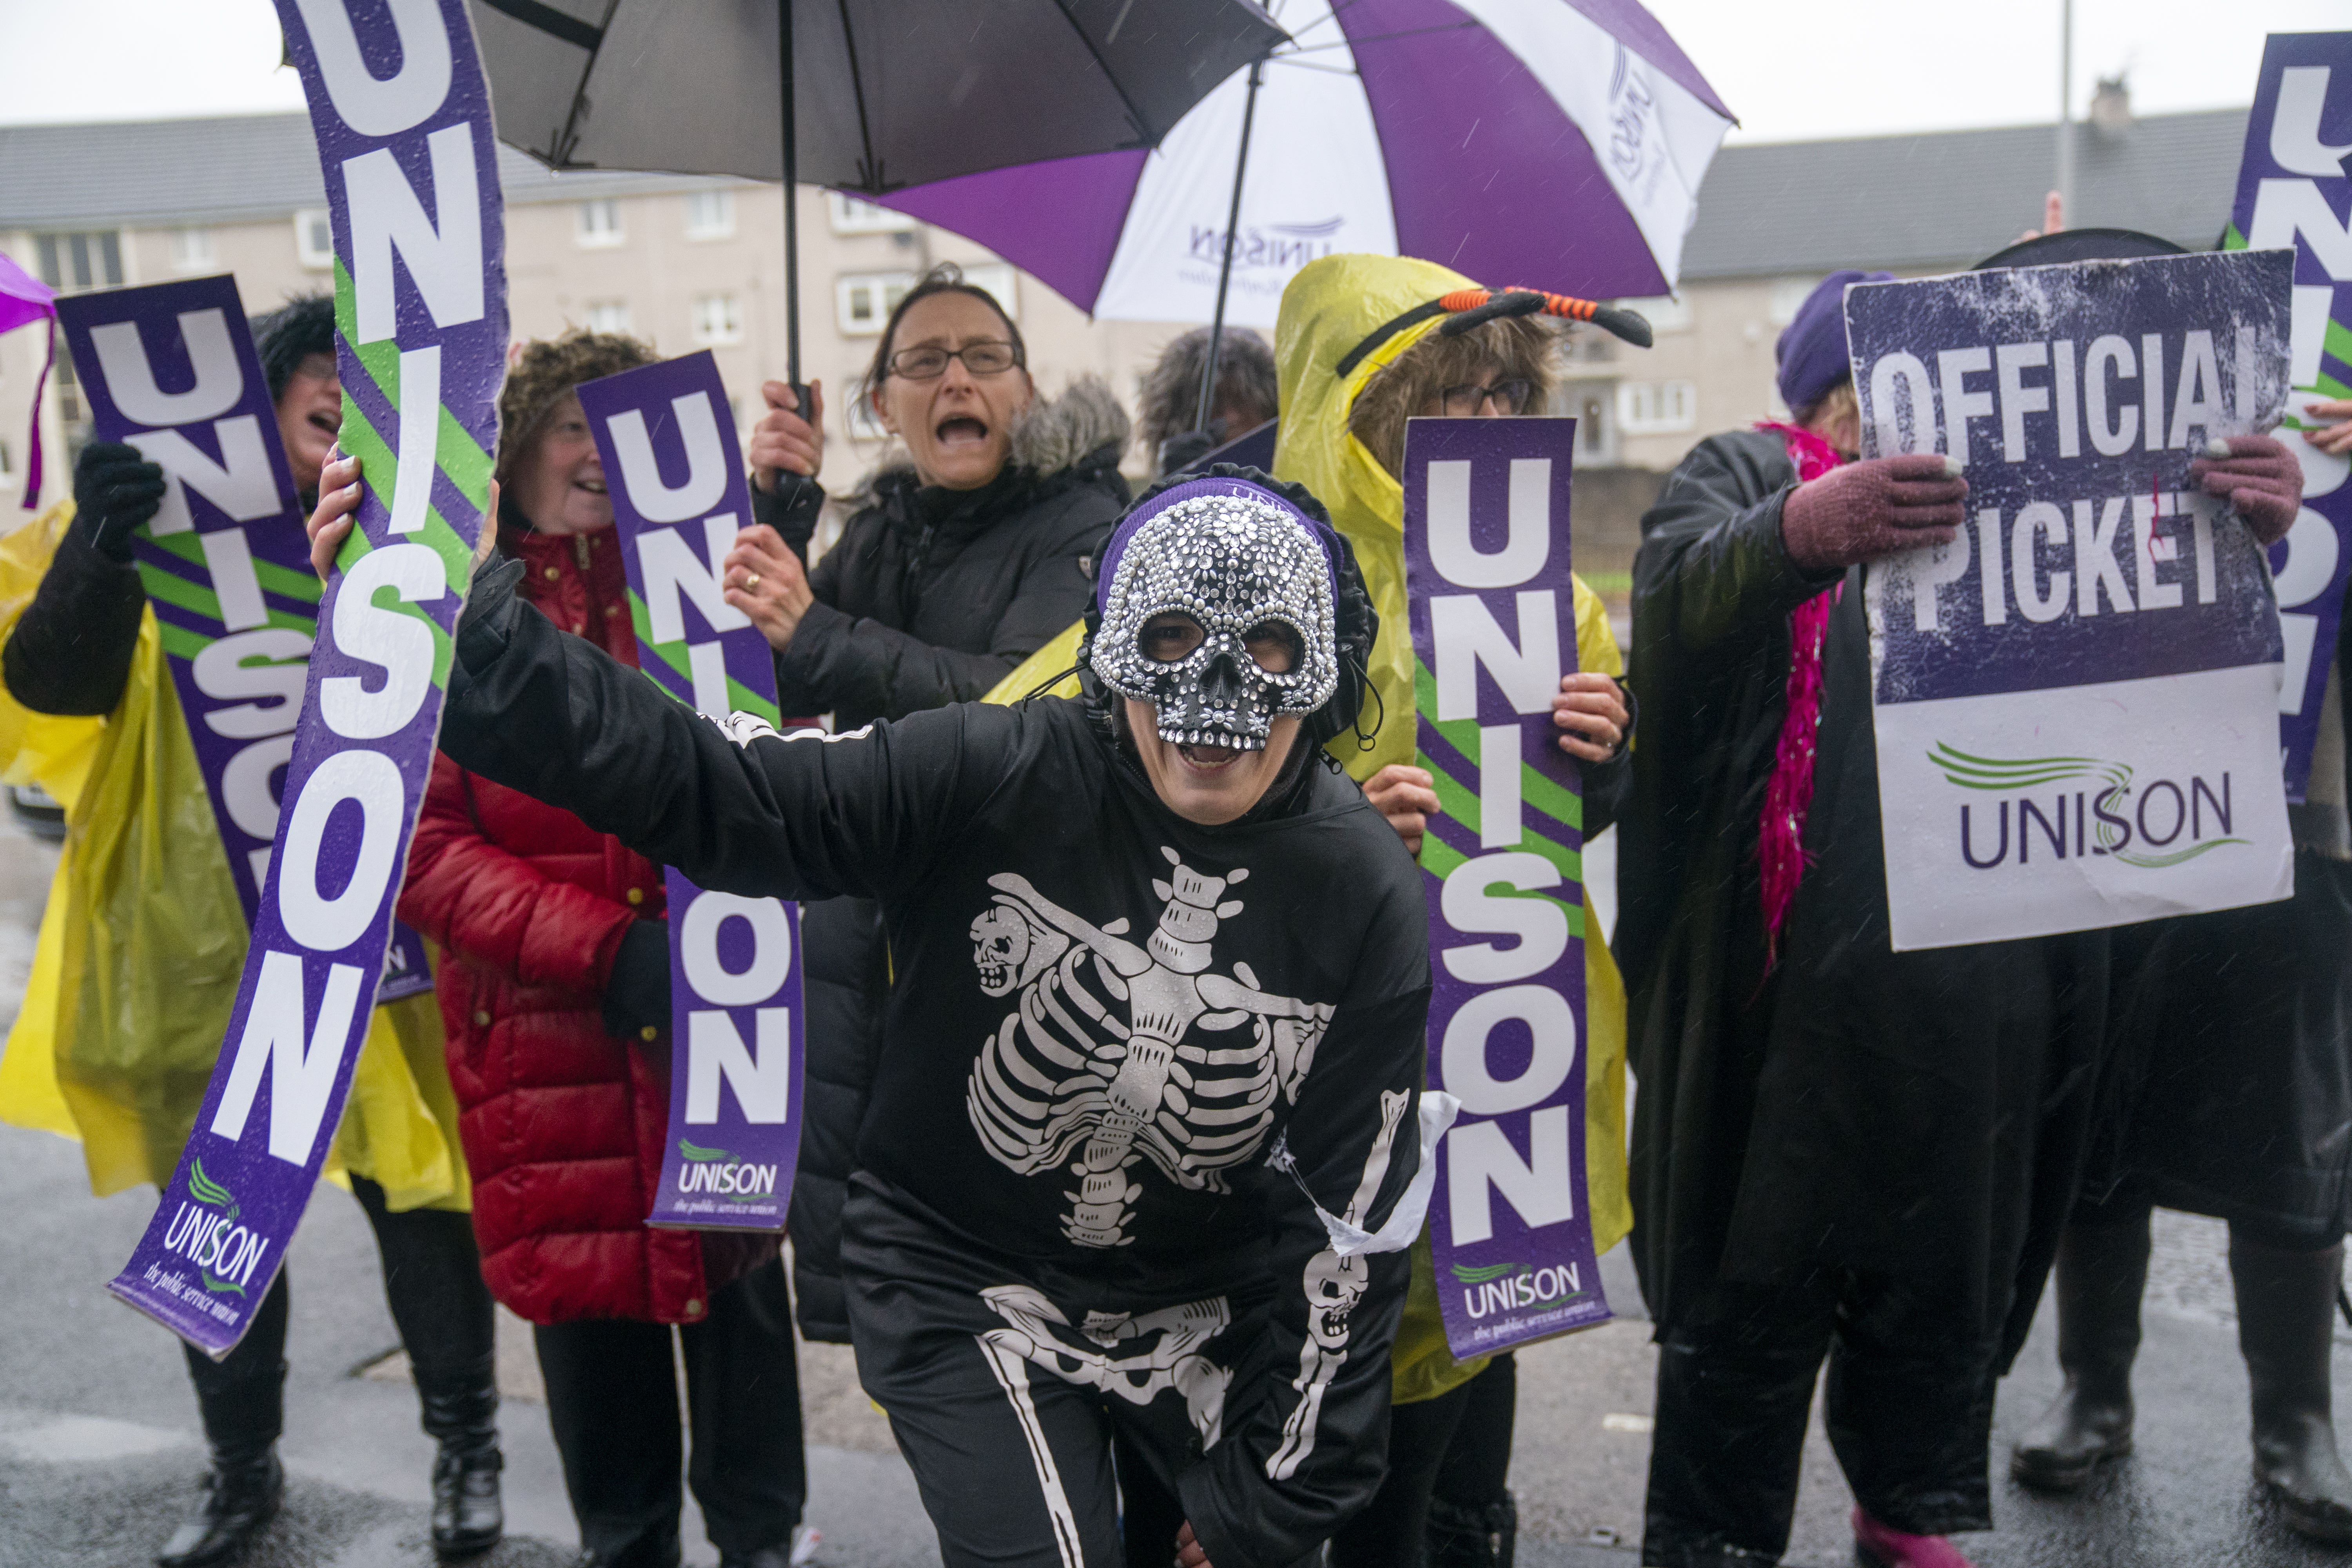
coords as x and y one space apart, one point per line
1789 795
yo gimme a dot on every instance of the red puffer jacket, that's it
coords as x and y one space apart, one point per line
563 1125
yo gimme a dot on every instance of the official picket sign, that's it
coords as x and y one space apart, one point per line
402 121
1493 629
671 465
2073 699
224 563
2292 192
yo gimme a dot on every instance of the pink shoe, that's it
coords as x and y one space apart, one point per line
1878 1546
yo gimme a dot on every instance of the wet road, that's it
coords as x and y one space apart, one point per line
100 1450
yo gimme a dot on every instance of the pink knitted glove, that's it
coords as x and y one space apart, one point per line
2258 477
1863 511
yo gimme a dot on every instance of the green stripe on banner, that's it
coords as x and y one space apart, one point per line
454 447
739 697
361 440
2338 341
1536 790
276 578
1441 859
179 642
180 593
2231 239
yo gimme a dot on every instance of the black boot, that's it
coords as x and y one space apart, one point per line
2286 1321
460 1410
241 1423
2102 1270
1463 1537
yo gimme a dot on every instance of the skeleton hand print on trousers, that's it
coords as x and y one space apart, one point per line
1123 1051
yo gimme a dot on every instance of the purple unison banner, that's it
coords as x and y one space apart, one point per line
237 607
2074 701
1493 629
668 441
402 119
2293 193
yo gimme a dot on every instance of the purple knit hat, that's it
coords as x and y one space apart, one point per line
1812 353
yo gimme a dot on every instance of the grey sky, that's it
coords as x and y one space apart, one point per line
1789 70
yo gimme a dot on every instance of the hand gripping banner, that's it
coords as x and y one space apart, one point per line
1493 629
402 116
2294 192
667 442
2071 700
224 563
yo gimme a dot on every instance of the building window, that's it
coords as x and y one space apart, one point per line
718 319
1593 406
1788 294
710 215
1662 311
997 278
1657 407
192 250
851 215
314 238
73 262
864 300
609 316
600 223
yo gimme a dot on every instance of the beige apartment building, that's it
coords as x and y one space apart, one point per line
692 263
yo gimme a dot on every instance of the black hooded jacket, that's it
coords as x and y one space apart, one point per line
932 597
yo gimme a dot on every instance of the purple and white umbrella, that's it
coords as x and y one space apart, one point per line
1554 144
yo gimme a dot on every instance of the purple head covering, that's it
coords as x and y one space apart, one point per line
1812 352
1176 495
25 299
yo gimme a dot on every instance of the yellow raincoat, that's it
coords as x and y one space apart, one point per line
1330 306
144 942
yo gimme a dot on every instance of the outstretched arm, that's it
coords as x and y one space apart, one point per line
734 807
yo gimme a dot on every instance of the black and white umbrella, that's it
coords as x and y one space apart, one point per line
869 96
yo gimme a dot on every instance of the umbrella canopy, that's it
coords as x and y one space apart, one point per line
888 92
1554 144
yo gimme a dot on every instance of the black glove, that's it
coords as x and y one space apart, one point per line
115 491
791 510
1180 452
637 997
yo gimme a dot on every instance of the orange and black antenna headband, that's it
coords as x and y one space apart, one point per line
1472 307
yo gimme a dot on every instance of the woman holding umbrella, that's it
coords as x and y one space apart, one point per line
968 551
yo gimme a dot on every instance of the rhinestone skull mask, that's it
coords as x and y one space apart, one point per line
1234 556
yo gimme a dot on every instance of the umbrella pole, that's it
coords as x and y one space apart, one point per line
1225 267
792 203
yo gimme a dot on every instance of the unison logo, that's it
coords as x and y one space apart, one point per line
2161 822
714 1171
204 1231
1285 247
1505 1287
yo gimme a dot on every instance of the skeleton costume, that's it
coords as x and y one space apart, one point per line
1146 1138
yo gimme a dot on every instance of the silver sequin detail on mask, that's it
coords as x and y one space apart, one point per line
1231 564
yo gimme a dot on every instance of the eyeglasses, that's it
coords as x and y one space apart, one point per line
989 357
1462 402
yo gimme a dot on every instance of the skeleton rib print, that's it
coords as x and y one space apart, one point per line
1120 1052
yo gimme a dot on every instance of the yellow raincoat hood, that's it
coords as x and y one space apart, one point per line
1331 306
143 940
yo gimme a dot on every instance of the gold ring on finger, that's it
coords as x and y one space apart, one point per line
753 581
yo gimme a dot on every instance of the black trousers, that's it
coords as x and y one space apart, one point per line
1908 1405
1456 1446
432 1282
611 1399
